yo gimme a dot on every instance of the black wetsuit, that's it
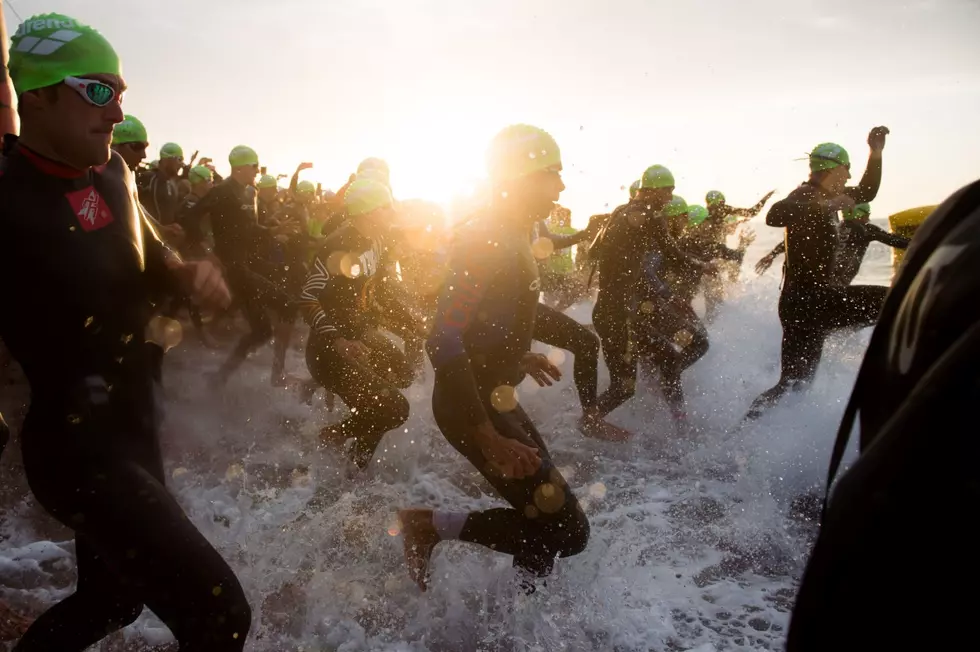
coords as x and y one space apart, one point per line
855 236
483 328
4 434
289 267
897 544
561 331
159 198
89 441
811 304
634 310
346 289
685 280
237 236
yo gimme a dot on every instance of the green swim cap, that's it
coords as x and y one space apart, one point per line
199 173
521 150
657 176
375 174
130 130
47 48
243 155
171 150
675 207
634 188
714 197
861 210
828 156
305 188
696 214
373 163
365 196
267 181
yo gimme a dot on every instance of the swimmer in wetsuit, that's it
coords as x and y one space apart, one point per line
557 329
70 224
346 354
480 349
634 309
811 304
231 206
856 234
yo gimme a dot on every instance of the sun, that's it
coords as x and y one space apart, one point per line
439 156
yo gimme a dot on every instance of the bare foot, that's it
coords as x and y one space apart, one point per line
420 538
12 624
596 428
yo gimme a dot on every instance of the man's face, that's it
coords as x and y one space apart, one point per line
268 194
79 132
538 192
171 165
132 153
837 179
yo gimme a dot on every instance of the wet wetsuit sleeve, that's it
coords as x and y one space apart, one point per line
562 241
156 256
316 286
459 307
192 227
158 197
750 212
867 189
778 250
878 234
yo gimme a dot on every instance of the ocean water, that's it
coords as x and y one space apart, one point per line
694 543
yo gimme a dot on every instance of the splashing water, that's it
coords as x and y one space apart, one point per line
693 546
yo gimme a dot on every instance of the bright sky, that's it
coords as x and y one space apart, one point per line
726 93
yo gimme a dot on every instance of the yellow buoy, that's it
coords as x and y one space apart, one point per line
905 224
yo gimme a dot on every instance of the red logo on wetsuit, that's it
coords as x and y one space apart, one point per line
91 210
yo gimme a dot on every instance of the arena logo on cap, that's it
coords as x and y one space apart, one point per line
29 26
46 46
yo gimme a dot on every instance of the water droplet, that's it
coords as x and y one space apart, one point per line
597 491
179 471
234 471
556 357
549 498
646 307
88 321
542 248
504 398
683 338
74 419
164 332
216 591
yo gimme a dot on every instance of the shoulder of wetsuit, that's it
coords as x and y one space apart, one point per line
780 214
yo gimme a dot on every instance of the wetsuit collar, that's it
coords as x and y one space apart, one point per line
47 166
